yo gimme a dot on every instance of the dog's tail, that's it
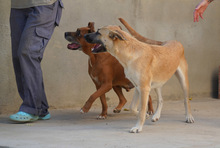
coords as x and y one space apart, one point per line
137 35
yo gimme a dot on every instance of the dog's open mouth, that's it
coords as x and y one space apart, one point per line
73 46
98 48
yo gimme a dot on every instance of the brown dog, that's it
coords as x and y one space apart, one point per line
105 71
146 66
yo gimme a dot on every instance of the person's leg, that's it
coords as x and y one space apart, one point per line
38 29
37 32
18 18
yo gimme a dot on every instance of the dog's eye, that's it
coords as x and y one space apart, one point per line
97 33
78 33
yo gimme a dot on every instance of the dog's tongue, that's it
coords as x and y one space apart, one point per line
96 46
73 46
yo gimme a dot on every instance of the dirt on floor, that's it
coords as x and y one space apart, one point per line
69 129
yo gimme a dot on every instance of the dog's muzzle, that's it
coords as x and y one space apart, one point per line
74 45
92 38
98 48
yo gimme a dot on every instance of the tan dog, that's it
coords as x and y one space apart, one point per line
146 66
105 71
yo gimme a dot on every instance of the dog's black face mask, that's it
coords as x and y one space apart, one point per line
93 38
72 37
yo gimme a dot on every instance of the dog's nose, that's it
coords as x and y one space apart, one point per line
65 34
86 36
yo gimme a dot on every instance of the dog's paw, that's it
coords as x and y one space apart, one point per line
134 111
155 118
116 111
81 111
190 119
100 117
150 112
147 116
135 130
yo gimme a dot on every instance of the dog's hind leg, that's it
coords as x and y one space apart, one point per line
144 95
150 107
182 75
122 99
156 116
135 103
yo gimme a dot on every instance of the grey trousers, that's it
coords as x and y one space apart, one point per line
31 29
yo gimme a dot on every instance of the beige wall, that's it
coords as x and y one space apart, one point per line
65 72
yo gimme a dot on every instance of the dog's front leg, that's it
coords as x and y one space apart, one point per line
144 95
103 115
135 102
102 90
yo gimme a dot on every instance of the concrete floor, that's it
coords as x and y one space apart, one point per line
69 129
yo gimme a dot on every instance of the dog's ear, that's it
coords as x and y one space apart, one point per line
91 26
116 35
